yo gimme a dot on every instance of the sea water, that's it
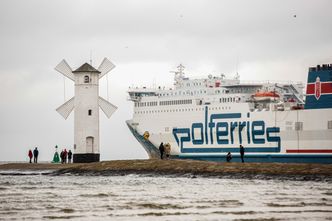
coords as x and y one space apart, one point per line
36 196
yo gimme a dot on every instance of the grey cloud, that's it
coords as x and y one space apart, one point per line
145 39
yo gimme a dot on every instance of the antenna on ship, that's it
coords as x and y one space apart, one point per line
179 74
237 76
180 68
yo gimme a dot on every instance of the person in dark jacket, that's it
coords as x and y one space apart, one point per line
30 155
228 157
61 156
242 153
161 149
35 155
69 156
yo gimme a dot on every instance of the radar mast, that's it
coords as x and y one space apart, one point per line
178 75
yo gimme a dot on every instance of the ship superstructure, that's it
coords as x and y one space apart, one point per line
205 118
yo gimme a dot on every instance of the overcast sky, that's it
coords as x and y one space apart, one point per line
262 40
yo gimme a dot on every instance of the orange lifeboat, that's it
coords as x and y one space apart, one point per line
266 96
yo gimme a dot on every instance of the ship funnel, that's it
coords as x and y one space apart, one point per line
319 87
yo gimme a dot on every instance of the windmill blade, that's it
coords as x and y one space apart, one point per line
107 107
65 69
66 108
105 67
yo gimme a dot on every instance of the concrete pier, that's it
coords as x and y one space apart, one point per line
189 168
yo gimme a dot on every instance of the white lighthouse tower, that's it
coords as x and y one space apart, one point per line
86 103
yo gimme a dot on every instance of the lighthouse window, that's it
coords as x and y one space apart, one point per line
90 112
86 79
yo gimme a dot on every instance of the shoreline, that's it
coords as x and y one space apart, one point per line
186 168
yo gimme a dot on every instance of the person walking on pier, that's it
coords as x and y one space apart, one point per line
62 156
162 150
30 155
65 156
35 155
228 157
69 156
242 153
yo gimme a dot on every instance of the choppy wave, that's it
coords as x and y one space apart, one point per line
35 197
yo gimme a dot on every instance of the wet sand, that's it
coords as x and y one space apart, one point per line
186 167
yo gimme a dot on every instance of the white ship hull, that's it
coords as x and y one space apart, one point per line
312 143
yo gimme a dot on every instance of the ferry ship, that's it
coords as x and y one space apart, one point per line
206 118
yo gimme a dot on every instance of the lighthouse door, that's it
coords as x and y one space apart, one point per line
89 144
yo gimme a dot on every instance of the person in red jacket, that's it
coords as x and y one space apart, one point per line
65 153
30 155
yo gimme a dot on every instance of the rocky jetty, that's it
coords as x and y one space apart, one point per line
187 168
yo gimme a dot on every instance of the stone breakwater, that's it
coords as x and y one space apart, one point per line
191 168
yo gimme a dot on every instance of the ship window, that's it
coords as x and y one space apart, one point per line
298 126
329 124
86 79
89 112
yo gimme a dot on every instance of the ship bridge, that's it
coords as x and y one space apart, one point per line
135 94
